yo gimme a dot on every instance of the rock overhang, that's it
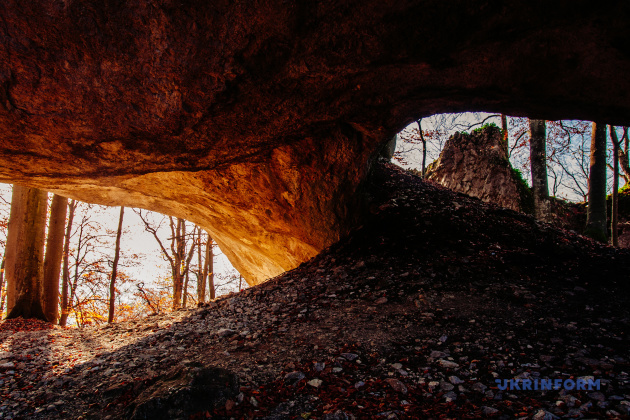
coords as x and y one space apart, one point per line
259 121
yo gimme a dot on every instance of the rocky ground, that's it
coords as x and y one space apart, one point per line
416 315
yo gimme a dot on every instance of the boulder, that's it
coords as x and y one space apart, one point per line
477 164
183 393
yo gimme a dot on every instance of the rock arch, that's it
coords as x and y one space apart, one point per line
259 120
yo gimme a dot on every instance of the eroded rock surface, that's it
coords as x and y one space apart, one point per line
257 120
477 164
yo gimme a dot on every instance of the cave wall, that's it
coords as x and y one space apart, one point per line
257 120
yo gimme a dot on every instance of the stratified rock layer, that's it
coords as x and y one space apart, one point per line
257 120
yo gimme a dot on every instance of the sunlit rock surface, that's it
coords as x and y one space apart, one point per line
257 120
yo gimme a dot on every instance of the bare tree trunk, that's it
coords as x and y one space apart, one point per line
614 217
29 266
210 267
622 153
424 147
538 156
54 254
505 133
112 281
201 273
177 266
596 212
185 292
3 293
66 268
15 230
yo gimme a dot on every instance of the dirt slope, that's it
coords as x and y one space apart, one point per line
414 316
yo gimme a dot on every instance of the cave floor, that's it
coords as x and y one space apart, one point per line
415 315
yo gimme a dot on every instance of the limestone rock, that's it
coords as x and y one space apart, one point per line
476 164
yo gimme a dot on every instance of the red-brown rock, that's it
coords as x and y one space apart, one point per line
258 120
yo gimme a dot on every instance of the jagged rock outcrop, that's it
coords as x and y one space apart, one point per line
477 164
258 120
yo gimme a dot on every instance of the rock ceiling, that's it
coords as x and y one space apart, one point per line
258 120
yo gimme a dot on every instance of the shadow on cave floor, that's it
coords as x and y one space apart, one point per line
415 315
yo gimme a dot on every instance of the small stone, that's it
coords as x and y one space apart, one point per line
294 377
337 415
544 415
397 366
349 356
455 380
450 396
253 401
437 354
318 366
448 364
224 332
445 386
397 385
479 387
380 300
316 383
488 411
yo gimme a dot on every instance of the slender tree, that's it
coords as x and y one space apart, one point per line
623 153
54 254
596 212
205 267
3 293
614 217
28 268
112 281
185 290
179 258
65 310
424 148
209 267
201 264
538 156
505 133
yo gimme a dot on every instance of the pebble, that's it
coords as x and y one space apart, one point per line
397 385
315 382
455 380
349 356
448 364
